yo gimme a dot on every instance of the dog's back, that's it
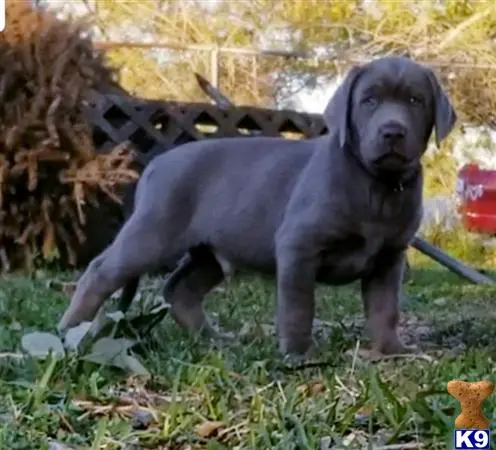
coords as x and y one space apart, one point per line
206 193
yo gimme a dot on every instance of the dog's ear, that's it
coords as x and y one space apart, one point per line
444 113
337 112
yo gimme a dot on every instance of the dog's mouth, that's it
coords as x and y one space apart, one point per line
392 162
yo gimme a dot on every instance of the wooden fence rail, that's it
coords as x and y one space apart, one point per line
157 126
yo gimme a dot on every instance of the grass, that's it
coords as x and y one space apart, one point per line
241 397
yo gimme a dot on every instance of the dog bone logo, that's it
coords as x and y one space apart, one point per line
471 397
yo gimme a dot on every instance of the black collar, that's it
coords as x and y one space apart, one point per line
395 185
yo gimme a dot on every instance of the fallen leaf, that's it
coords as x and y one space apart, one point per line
353 438
208 429
132 364
15 326
363 414
39 345
317 388
142 419
114 352
108 348
116 316
325 443
313 388
75 335
145 322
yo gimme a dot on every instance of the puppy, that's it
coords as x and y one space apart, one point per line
335 209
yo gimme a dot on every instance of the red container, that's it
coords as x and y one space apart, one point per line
476 189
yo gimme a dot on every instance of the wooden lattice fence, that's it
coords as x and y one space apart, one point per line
157 126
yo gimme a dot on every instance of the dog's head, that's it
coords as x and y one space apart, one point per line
386 111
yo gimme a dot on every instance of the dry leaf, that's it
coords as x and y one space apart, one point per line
317 388
362 416
208 429
313 388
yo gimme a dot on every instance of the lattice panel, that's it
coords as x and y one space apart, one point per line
156 126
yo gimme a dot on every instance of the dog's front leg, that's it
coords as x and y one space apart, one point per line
296 269
380 294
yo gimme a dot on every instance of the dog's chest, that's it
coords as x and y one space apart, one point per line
355 255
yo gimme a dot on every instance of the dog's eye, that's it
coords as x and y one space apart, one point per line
370 101
413 100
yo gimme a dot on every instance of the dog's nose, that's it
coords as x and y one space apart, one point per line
392 132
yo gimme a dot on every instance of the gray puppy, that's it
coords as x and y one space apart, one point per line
334 209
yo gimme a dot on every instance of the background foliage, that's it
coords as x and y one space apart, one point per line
456 37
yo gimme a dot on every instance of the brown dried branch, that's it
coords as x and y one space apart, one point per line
49 168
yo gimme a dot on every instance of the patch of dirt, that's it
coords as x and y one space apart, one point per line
452 332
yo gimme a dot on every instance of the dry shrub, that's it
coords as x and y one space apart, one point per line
49 169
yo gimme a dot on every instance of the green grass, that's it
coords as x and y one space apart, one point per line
262 405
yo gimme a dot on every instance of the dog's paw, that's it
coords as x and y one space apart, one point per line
393 346
403 351
298 359
292 360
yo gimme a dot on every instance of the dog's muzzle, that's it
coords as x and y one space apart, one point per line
392 140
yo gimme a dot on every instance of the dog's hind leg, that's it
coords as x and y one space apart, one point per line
185 289
137 249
